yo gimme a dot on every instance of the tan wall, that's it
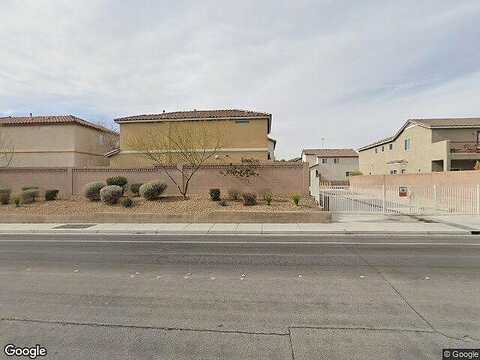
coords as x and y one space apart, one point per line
419 158
56 145
126 160
438 178
238 140
278 178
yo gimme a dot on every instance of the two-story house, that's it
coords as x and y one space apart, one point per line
331 164
425 145
244 135
50 141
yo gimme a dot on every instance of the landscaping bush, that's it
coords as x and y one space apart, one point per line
223 202
5 196
126 202
17 200
234 194
29 196
118 180
29 188
152 190
110 194
135 188
51 195
268 197
296 198
92 190
249 199
215 194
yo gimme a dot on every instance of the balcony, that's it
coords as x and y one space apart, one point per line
464 147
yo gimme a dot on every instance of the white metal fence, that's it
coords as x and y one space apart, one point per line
435 199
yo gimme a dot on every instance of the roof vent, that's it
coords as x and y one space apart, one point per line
30 114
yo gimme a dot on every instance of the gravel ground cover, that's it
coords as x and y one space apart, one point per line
172 205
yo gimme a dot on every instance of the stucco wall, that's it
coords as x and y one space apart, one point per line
238 140
278 178
56 146
337 172
439 178
418 158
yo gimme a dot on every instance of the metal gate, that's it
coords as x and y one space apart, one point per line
424 200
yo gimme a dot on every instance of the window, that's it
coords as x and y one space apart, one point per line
376 150
403 171
348 173
383 148
317 173
408 144
242 121
390 146
336 160
324 160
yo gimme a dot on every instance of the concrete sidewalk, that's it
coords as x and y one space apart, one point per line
357 226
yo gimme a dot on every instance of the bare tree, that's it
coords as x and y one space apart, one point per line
111 141
181 150
7 149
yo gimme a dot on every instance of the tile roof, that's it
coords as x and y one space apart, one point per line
451 123
198 115
448 122
50 120
331 152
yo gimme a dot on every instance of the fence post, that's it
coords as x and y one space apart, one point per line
478 199
384 195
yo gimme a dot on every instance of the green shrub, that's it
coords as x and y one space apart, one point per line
51 195
223 202
268 197
296 198
92 190
249 199
29 188
117 180
17 200
29 196
215 194
126 202
152 190
5 196
110 194
234 194
135 188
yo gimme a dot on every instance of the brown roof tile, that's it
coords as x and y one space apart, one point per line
196 114
331 152
448 122
50 120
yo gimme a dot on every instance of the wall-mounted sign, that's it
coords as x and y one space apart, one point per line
402 191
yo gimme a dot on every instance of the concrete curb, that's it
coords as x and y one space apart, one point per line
203 233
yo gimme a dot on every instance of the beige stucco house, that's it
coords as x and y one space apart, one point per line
55 141
244 135
425 145
333 165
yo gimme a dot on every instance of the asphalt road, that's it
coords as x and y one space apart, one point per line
253 297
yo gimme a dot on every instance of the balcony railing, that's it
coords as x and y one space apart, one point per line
464 147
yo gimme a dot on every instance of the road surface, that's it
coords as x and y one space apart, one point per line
233 297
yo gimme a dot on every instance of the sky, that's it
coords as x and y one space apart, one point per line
332 73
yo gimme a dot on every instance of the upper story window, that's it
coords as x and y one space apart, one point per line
383 148
336 160
242 121
408 144
390 146
323 160
376 150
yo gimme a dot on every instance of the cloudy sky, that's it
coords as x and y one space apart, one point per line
346 71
